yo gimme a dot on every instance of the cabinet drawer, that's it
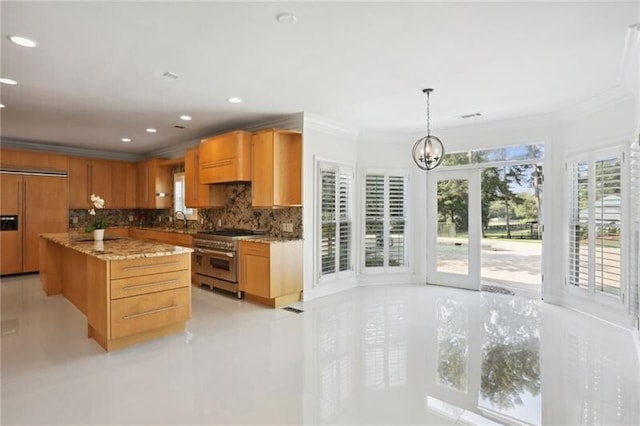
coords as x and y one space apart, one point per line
257 248
133 315
134 286
148 266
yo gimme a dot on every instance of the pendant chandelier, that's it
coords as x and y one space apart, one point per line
428 151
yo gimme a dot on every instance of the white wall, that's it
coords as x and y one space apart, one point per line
324 140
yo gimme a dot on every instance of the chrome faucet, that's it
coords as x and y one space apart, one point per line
184 218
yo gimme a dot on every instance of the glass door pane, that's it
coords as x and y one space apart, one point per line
453 215
452 247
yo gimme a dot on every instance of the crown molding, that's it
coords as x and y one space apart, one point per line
327 125
290 122
599 102
71 151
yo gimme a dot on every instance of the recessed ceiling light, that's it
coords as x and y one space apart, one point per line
150 130
286 18
185 117
8 81
126 139
22 41
234 100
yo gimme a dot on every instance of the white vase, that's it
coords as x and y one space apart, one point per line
98 234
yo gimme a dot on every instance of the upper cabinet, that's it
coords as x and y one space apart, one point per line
89 176
17 159
276 164
124 185
226 158
154 184
114 181
198 195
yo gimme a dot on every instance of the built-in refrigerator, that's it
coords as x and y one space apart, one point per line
31 204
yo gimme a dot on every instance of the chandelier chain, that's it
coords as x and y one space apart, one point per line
428 114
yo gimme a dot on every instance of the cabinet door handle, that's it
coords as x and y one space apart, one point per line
126 268
130 287
26 205
196 177
153 311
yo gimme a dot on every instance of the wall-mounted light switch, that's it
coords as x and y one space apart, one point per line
74 220
130 218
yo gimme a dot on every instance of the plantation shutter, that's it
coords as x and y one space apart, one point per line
596 205
385 211
579 224
328 209
635 227
608 214
374 220
397 220
336 222
344 202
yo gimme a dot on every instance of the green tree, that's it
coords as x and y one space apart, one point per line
528 209
453 203
500 184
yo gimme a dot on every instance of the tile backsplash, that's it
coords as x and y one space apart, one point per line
238 213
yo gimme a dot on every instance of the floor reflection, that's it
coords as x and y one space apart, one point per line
453 344
373 355
441 356
510 375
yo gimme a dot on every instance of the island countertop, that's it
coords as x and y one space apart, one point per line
114 248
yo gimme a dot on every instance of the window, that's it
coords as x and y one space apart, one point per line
510 154
335 184
385 220
179 195
596 219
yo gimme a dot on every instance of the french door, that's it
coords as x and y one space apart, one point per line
454 228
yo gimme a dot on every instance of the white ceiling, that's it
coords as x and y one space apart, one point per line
97 74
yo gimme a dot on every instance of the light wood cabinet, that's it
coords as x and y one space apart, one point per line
276 165
271 273
17 159
198 195
123 182
89 176
126 301
226 158
40 202
154 184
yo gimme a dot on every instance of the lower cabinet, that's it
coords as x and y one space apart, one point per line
147 298
133 315
271 272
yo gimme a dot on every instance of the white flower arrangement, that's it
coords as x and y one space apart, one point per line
100 223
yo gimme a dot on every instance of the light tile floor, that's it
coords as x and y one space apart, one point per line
373 355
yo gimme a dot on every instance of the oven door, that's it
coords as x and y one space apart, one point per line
220 264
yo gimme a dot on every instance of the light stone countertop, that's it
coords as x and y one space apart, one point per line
114 248
271 240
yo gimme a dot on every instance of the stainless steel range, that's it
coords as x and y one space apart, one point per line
215 257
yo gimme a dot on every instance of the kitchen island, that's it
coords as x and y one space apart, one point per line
130 290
